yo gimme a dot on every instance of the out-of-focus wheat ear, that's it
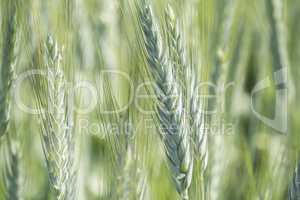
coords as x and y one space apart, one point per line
223 42
11 172
294 188
7 66
278 43
277 31
57 125
170 110
198 124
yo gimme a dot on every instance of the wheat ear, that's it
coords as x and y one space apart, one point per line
119 144
169 111
122 143
187 74
12 172
7 68
57 125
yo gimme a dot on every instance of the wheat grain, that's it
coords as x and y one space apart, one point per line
169 111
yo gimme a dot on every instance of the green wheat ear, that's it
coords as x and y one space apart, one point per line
7 67
187 77
56 114
12 171
169 111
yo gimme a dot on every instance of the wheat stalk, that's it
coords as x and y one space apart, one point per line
57 125
169 111
294 188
